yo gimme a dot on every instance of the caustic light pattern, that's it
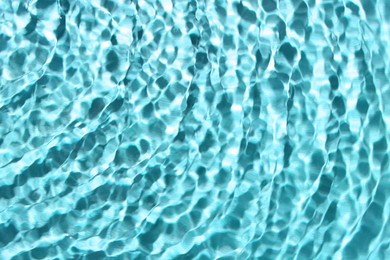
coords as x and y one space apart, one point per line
184 129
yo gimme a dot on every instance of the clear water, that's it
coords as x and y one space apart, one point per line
178 129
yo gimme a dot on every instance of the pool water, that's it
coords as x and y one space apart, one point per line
183 129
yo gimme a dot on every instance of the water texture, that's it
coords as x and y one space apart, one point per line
183 129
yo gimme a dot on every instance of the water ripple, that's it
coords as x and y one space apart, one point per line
194 129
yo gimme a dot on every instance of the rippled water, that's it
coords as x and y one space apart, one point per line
183 129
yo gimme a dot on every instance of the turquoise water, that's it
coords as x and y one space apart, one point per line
184 129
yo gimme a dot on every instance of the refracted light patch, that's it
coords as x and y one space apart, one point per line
191 129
